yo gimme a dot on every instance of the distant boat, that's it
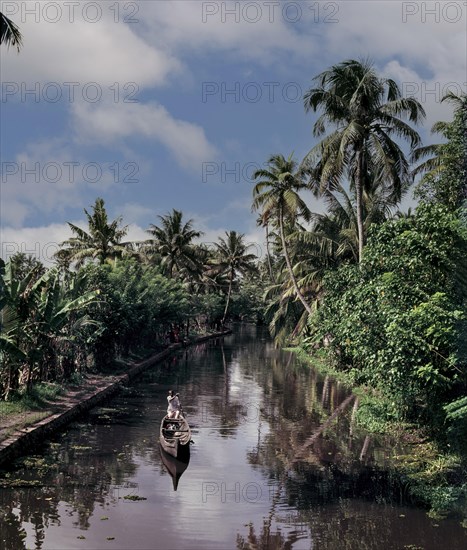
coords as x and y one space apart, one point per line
175 436
174 466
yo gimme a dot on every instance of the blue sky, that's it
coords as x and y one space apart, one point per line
155 105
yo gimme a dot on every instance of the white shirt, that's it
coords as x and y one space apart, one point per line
174 403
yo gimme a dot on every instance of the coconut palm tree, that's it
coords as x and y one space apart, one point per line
233 259
9 33
445 171
434 165
102 241
285 315
334 233
265 223
173 242
365 113
277 195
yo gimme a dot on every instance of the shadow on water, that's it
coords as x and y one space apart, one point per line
277 463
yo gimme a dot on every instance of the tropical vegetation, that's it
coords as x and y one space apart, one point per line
381 293
107 299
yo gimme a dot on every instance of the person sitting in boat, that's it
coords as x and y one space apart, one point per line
174 407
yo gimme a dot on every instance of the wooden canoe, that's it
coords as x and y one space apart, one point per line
175 436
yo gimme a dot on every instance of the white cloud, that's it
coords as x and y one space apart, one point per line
135 233
245 30
425 54
81 51
41 242
429 92
113 123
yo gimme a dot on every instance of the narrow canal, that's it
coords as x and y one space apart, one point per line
251 481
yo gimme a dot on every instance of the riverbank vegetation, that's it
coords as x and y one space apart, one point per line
107 299
379 293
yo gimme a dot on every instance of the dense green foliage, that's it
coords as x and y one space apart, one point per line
380 293
137 305
384 293
395 321
109 299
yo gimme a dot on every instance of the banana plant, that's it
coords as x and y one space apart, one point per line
60 315
39 318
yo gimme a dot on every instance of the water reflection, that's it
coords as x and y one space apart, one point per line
273 466
175 467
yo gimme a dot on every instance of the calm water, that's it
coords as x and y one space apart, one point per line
250 482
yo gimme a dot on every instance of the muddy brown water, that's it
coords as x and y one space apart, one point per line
103 484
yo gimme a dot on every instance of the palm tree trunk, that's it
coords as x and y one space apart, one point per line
271 274
289 264
228 296
366 444
463 191
9 384
29 379
359 205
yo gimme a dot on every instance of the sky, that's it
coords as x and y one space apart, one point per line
155 105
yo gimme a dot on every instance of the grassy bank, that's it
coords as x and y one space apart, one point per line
25 409
433 476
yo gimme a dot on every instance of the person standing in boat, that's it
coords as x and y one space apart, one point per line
174 407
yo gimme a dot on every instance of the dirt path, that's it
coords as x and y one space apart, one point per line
11 424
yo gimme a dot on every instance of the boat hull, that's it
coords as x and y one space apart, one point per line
175 437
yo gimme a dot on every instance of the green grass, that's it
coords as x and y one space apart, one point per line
319 360
42 394
39 397
12 407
